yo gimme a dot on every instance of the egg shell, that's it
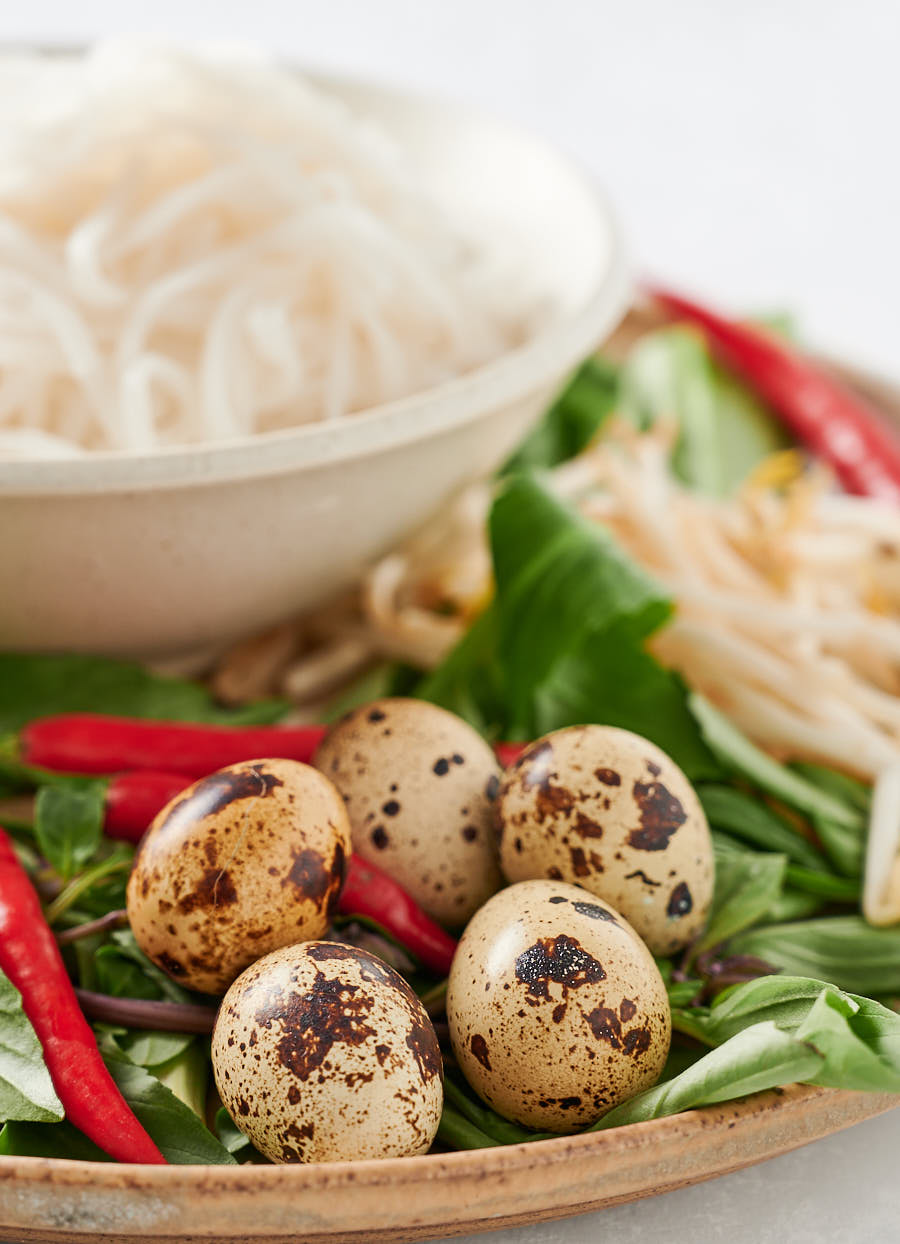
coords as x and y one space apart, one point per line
557 1011
246 860
419 784
323 1053
611 812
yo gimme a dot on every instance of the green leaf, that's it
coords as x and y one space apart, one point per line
754 822
824 885
747 884
153 1049
843 950
723 430
741 757
553 566
187 1076
844 845
49 1140
34 686
68 824
468 681
572 421
563 642
26 1090
782 1000
760 1057
123 970
793 905
229 1134
178 1133
844 787
849 1062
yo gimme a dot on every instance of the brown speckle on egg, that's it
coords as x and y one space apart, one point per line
574 1006
347 1062
608 785
437 838
244 861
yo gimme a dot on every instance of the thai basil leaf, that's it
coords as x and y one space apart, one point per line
849 789
743 758
747 884
572 421
755 823
469 680
761 1057
849 1062
229 1135
68 824
33 686
793 905
844 950
26 1090
178 1133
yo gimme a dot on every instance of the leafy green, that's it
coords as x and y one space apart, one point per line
49 1140
845 845
723 430
747 884
153 1049
68 824
844 950
824 885
187 1076
816 1034
26 1090
572 421
743 758
793 905
229 1134
783 1000
760 1057
485 1119
844 787
123 970
176 1130
34 686
563 642
752 821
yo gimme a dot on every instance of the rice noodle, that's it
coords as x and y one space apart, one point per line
197 246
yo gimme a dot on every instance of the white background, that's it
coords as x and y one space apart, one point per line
752 150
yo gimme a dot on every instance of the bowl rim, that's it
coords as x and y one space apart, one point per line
538 362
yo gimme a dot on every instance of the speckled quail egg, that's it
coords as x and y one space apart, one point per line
245 860
322 1053
419 784
607 810
557 1011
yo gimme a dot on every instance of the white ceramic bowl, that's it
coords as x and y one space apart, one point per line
175 553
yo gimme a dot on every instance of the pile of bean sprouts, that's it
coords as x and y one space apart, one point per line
200 245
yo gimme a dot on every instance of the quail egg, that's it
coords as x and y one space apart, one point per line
322 1053
245 860
607 810
419 784
557 1010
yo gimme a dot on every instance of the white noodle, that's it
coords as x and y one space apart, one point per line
881 888
200 245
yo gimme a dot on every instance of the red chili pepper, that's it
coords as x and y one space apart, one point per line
826 417
509 753
370 892
133 800
92 743
30 958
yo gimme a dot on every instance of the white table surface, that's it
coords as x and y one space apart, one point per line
751 149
